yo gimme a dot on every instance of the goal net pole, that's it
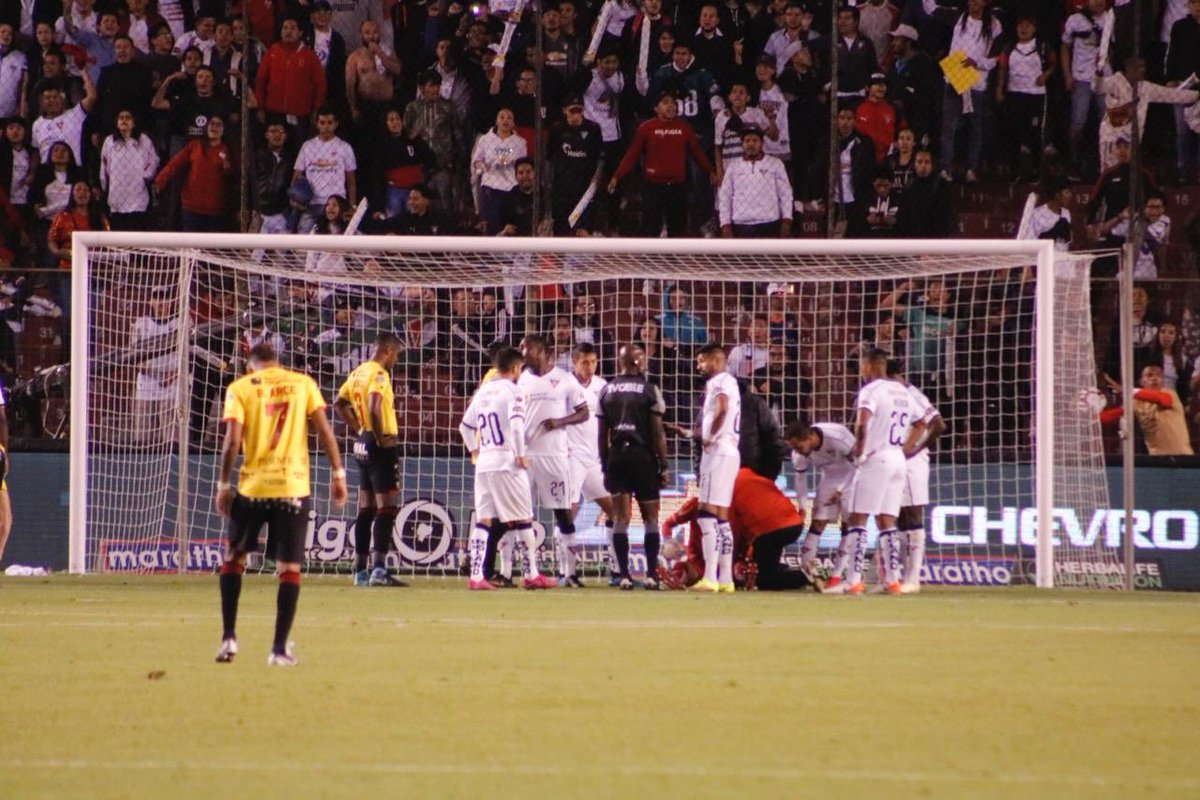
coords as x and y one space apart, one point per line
80 386
1044 431
496 262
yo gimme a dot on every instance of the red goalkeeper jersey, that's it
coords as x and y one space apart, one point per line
758 508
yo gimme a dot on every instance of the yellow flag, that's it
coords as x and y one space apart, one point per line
960 76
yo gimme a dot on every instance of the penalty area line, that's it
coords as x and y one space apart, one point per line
669 771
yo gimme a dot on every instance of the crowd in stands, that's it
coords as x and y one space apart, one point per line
582 117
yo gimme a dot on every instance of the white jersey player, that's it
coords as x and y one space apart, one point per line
586 474
587 479
555 402
493 429
926 426
828 447
884 408
719 433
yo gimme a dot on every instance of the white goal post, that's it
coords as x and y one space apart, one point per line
136 468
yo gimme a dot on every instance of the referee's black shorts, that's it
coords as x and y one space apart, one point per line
378 467
286 520
632 469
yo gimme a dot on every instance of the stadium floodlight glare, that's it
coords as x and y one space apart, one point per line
998 333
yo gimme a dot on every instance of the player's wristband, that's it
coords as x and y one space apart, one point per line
224 486
339 473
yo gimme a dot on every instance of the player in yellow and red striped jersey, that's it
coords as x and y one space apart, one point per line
267 417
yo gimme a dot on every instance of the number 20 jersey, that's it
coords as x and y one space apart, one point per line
273 406
496 420
891 409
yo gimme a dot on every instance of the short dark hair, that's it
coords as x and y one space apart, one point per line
875 355
895 367
506 358
327 111
263 352
710 348
388 340
584 349
536 340
429 76
424 190
523 160
798 429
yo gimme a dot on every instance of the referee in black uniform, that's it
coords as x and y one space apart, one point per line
633 454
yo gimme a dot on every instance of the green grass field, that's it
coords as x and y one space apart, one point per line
109 690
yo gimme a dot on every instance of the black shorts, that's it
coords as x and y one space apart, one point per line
286 519
632 469
378 467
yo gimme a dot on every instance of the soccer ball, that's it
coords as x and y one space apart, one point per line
1092 401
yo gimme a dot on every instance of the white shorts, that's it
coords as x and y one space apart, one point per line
503 495
717 476
825 506
916 482
550 478
878 485
587 480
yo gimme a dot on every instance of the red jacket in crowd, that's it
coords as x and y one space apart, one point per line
290 80
666 144
208 171
877 121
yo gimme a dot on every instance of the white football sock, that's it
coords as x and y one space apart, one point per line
724 552
507 542
916 557
808 551
708 546
889 556
845 552
477 547
858 558
570 553
527 538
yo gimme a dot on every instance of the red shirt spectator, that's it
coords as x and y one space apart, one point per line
665 143
876 119
208 165
290 79
83 214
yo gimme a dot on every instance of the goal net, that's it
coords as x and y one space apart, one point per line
997 334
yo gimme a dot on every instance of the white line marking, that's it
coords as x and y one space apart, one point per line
680 771
118 619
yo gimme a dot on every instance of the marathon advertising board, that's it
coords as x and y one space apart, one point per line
989 541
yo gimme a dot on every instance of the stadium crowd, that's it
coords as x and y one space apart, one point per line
575 117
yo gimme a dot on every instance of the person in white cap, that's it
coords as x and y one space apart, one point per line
914 84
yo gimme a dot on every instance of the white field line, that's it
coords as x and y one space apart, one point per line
574 771
117 620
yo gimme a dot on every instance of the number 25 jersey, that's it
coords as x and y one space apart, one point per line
891 409
273 406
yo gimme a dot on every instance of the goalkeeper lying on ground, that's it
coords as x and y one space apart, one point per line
764 522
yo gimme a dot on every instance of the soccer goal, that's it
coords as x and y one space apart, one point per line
997 333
